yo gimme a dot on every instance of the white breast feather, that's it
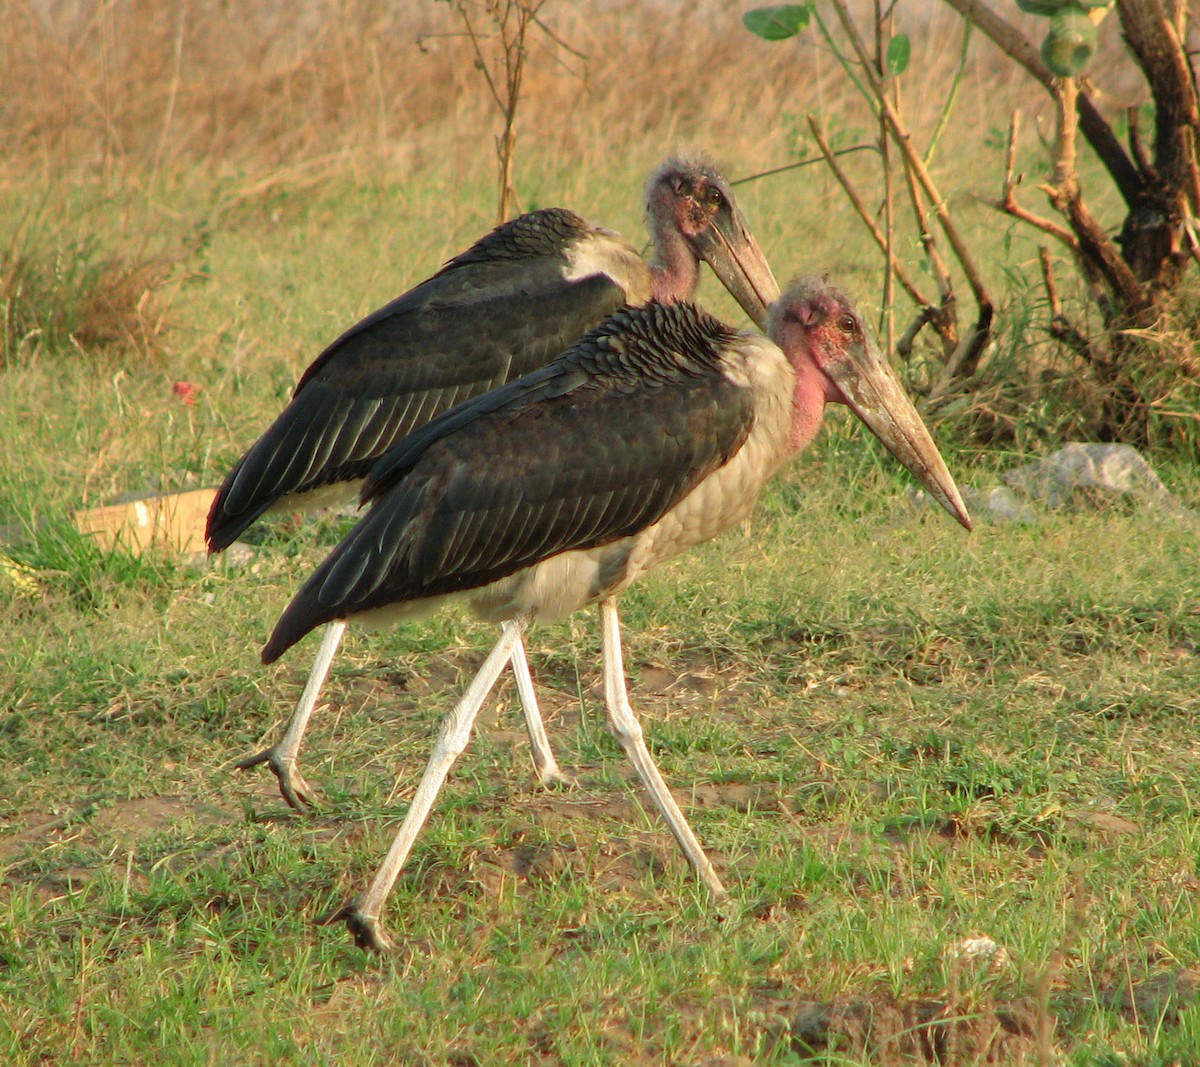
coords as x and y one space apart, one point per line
608 253
726 496
564 583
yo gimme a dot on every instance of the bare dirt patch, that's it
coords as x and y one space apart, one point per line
893 1032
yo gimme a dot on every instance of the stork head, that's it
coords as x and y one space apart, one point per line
692 215
837 359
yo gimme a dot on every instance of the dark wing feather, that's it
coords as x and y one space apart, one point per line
593 448
487 317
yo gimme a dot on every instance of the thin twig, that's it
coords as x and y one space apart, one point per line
941 272
555 37
952 96
804 163
904 143
480 62
905 343
1193 158
1061 328
1137 147
887 310
863 213
1008 200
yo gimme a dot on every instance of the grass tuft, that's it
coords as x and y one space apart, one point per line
62 294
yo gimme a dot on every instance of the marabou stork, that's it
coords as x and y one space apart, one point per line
655 432
507 306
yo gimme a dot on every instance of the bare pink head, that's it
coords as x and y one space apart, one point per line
692 215
837 360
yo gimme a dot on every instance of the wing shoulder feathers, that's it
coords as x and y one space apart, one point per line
592 448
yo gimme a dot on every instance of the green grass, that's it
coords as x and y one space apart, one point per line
891 735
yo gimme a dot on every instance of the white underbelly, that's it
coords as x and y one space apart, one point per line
336 495
722 500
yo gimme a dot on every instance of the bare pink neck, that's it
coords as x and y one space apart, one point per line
813 390
808 409
676 276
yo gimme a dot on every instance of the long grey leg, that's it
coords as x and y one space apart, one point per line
544 763
281 756
628 731
362 916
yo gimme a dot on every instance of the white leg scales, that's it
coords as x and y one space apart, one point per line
624 724
362 917
281 757
544 764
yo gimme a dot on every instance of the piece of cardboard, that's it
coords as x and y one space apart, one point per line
173 521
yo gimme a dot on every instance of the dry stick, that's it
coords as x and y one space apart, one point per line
1061 328
1137 147
889 229
904 345
864 214
803 163
527 12
945 283
1008 200
966 356
1192 210
1189 144
944 317
507 142
1097 248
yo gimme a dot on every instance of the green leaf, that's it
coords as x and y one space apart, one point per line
1046 8
777 23
899 51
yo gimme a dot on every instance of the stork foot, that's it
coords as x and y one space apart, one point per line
299 795
366 930
557 778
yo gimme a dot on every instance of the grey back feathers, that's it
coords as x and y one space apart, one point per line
494 313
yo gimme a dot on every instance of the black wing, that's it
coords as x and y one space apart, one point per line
593 448
498 311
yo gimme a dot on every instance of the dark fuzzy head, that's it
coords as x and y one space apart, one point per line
688 189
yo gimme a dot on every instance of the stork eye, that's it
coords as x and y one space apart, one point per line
713 196
847 324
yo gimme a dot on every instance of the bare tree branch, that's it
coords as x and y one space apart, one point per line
1099 133
1008 200
1160 52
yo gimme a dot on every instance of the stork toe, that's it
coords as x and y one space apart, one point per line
367 930
300 796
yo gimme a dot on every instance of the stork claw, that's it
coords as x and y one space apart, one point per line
557 779
366 930
299 795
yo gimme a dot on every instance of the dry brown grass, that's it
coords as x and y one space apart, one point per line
138 100
145 86
63 286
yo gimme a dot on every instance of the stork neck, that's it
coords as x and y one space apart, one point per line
676 275
809 397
